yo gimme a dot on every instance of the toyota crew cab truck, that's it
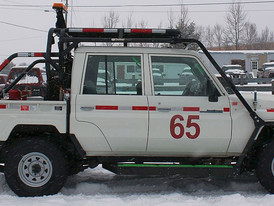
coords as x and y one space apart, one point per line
104 106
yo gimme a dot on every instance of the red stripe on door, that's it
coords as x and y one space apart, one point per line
152 108
270 110
191 109
3 106
226 109
140 108
106 107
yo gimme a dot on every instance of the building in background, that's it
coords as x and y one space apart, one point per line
250 60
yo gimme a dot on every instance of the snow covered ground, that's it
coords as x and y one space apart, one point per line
100 187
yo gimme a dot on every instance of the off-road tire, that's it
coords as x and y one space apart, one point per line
35 167
265 167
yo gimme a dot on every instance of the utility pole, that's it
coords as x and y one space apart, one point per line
66 14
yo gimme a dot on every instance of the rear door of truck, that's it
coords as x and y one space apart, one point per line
112 99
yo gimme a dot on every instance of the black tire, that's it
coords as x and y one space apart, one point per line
265 167
35 167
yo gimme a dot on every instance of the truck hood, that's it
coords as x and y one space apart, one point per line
234 71
265 104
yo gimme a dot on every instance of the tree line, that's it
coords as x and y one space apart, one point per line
236 33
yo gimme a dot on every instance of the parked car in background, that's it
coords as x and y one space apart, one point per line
267 70
32 83
234 71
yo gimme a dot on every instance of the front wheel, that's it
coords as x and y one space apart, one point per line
35 167
265 167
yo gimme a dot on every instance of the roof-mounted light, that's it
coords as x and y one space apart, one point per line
60 6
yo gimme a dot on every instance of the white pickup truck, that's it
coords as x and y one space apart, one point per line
95 112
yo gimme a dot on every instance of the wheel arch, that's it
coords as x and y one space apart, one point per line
68 143
265 136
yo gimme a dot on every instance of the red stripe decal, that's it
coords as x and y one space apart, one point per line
140 108
4 64
106 107
3 106
226 109
191 109
270 110
152 108
234 103
38 54
141 31
24 107
93 30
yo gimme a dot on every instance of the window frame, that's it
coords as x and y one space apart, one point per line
257 63
221 91
116 55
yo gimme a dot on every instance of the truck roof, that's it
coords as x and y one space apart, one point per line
86 49
268 63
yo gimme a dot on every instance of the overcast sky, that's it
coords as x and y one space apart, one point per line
38 16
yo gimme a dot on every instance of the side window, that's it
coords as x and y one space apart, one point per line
113 75
178 76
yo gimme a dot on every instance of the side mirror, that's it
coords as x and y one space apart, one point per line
212 92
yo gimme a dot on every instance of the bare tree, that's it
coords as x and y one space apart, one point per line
110 20
183 19
250 35
218 35
235 22
171 19
129 21
266 35
209 38
266 38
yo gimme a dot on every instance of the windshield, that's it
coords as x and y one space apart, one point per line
227 68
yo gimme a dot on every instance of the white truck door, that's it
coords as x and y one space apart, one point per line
184 121
111 99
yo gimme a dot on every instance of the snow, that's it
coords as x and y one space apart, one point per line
29 80
100 187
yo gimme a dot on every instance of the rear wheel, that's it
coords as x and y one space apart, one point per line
35 167
265 167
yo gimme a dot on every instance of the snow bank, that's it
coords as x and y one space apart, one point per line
100 187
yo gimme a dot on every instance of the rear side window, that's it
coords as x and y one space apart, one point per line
113 75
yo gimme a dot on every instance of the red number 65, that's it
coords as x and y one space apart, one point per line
178 133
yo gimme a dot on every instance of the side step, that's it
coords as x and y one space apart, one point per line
195 171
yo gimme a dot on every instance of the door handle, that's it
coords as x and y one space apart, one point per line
86 109
163 109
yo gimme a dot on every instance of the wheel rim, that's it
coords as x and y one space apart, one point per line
35 169
272 166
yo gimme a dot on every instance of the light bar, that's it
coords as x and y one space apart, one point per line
30 54
146 31
92 30
128 31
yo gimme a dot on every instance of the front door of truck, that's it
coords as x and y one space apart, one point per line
111 100
184 121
